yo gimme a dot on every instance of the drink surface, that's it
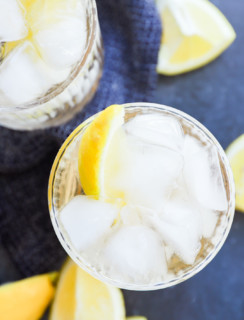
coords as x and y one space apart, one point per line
171 207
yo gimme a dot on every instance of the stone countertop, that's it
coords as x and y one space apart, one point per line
215 96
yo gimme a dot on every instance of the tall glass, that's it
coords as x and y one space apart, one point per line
64 184
64 99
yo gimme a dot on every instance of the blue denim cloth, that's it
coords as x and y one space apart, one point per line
131 33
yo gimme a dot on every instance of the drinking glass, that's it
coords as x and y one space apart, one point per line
64 184
67 98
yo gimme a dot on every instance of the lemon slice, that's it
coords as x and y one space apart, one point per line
194 33
81 297
235 154
94 148
26 299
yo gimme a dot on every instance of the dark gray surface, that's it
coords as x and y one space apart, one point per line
215 96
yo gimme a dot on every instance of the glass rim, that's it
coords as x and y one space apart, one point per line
72 75
163 284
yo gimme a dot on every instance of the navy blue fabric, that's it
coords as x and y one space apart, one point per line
131 32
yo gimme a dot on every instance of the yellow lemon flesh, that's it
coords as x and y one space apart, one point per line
194 33
26 299
94 147
81 297
235 154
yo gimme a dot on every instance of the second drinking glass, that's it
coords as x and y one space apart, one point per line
50 61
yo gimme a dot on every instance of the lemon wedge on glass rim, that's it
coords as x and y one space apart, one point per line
235 154
195 32
94 148
80 296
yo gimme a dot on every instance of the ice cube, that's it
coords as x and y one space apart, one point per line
204 180
139 172
86 220
134 215
179 225
54 76
178 238
135 254
157 129
184 213
209 217
191 146
61 42
209 222
130 215
43 12
180 191
22 78
169 252
148 173
12 21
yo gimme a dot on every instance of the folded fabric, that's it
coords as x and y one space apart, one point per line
131 33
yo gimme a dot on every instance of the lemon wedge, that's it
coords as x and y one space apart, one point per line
195 32
94 148
81 297
235 154
26 299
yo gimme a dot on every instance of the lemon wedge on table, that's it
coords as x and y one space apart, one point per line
94 147
235 154
195 32
81 297
26 299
